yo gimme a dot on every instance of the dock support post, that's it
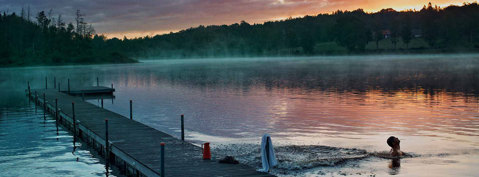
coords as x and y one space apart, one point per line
36 101
107 148
97 82
29 92
162 159
59 86
46 83
56 113
44 107
101 102
74 125
54 82
182 127
68 85
111 85
131 109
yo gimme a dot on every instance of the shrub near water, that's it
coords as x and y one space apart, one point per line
328 48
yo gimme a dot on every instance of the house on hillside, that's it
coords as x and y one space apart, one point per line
416 33
386 34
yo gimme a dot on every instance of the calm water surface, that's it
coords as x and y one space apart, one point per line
327 116
31 146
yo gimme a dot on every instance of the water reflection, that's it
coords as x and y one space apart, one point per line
394 166
339 74
302 99
32 146
429 101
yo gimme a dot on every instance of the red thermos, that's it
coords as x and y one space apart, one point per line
206 152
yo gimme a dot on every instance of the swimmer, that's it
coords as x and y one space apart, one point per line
395 148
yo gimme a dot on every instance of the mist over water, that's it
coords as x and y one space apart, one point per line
326 115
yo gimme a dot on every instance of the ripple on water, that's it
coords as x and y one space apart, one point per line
292 158
30 146
303 159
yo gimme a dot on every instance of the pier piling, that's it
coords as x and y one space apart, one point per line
182 127
97 82
56 113
162 159
68 85
54 82
36 101
29 91
44 107
46 83
101 102
107 149
74 125
131 109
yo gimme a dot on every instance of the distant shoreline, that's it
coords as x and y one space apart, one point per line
68 64
140 59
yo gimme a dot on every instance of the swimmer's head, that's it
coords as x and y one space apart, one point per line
393 142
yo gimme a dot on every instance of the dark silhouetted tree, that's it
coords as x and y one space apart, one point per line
42 20
351 33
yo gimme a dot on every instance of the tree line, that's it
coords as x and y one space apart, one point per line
429 30
45 39
48 40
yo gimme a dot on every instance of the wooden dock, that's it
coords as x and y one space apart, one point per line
92 90
134 147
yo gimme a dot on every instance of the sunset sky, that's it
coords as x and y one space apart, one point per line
134 18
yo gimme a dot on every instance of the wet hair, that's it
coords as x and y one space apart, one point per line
390 141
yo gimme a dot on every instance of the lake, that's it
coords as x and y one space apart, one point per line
327 116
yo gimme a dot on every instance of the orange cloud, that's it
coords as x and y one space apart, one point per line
228 12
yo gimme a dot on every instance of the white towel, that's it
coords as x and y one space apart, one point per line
267 161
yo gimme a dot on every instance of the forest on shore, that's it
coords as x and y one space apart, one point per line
47 40
453 29
44 40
